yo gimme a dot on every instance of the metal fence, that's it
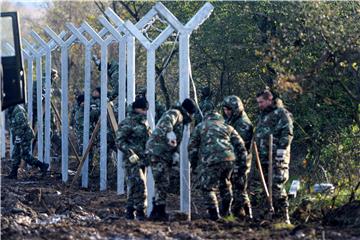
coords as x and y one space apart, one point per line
124 34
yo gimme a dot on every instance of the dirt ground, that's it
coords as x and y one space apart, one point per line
36 207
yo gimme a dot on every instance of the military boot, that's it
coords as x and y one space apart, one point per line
213 214
225 209
154 212
43 166
162 215
140 214
248 211
13 174
130 213
282 215
239 213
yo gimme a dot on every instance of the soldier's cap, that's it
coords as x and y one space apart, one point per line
207 107
80 99
141 103
98 89
205 92
189 105
141 91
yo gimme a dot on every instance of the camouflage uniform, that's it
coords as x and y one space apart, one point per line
242 124
113 73
205 101
22 137
79 126
54 133
95 110
275 120
218 146
161 151
131 138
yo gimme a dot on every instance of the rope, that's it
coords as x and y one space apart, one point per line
194 88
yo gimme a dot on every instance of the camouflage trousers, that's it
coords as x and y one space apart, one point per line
213 177
22 150
240 179
161 169
137 193
279 194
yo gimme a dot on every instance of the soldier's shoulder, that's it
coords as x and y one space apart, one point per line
283 112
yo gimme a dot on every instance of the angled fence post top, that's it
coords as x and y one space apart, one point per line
97 36
194 22
115 32
58 38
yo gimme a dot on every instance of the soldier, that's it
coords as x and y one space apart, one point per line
217 145
206 95
276 120
22 137
95 105
162 147
79 122
236 116
159 108
131 138
113 76
54 133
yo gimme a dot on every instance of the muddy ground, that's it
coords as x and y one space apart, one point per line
36 207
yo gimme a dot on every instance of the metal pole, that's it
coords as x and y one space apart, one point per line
184 87
2 134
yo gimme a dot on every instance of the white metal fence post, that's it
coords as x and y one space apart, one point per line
2 135
47 49
184 88
38 71
121 88
64 45
150 80
103 106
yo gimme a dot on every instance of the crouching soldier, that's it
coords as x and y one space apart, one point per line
131 138
22 138
162 146
217 145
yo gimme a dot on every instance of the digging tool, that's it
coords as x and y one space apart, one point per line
263 182
270 172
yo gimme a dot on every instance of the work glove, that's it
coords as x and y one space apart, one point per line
17 140
280 155
134 158
171 137
175 159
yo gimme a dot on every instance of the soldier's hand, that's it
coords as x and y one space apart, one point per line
171 139
134 158
17 140
175 159
280 155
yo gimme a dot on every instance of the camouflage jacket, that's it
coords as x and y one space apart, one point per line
214 141
19 125
239 119
132 135
171 121
79 121
274 120
202 104
113 73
